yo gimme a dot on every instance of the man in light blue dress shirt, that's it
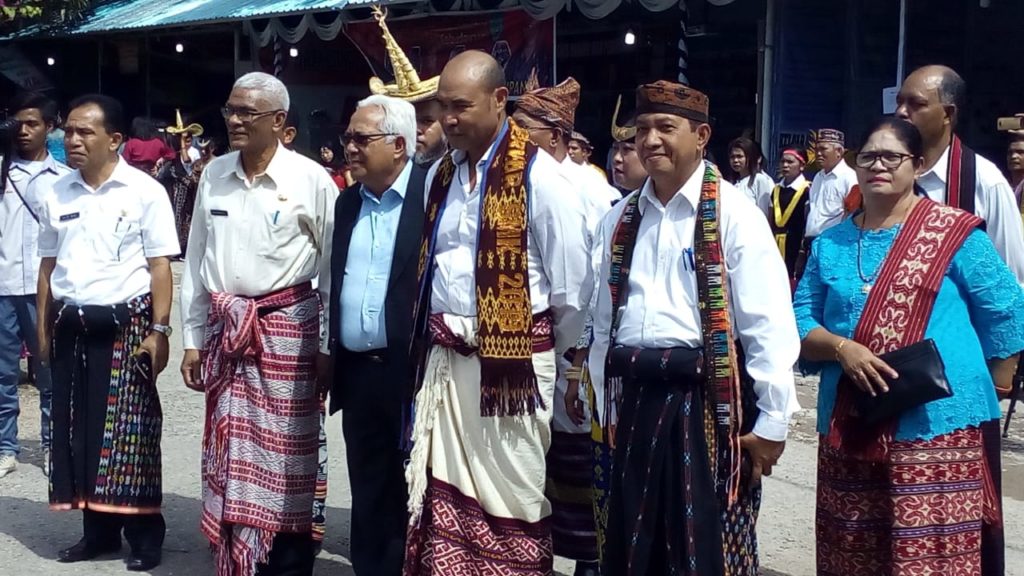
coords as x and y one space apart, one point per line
376 239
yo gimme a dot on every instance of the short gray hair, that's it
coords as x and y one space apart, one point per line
268 87
399 118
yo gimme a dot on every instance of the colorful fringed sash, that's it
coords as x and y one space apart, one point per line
897 311
508 385
722 415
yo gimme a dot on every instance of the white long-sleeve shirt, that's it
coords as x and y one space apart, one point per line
19 231
661 310
994 202
828 191
255 238
560 274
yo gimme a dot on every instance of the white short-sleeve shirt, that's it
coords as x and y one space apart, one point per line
102 237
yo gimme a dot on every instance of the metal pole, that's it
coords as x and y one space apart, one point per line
149 60
903 41
765 101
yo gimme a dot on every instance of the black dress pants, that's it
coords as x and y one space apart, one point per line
144 532
291 554
372 426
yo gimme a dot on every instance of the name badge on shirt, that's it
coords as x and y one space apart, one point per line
215 212
68 217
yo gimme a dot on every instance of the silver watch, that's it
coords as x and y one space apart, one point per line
163 329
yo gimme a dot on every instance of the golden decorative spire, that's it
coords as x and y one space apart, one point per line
408 85
180 128
621 133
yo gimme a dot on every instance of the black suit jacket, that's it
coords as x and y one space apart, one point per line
402 288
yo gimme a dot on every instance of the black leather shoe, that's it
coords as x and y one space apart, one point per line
143 562
586 569
84 551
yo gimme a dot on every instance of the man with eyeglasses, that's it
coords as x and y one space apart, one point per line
378 223
260 236
830 185
932 98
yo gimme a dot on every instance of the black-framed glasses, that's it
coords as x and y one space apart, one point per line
363 140
890 160
244 115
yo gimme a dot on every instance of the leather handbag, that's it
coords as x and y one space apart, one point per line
922 379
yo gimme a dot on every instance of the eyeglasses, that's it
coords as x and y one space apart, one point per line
244 116
890 160
362 140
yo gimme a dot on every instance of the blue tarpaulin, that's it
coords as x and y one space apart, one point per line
120 15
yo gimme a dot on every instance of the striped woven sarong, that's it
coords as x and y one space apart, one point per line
262 415
918 512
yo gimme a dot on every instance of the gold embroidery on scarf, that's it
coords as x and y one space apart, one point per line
505 213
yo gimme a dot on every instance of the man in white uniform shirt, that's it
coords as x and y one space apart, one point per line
548 114
251 320
32 173
505 279
830 185
932 98
104 300
687 461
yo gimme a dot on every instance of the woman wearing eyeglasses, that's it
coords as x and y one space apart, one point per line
907 494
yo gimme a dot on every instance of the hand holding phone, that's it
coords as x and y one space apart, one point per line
144 366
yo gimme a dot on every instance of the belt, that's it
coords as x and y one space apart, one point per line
378 356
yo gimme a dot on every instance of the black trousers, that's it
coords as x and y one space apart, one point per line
144 532
372 426
290 555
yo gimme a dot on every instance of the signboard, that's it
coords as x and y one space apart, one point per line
514 38
21 71
889 99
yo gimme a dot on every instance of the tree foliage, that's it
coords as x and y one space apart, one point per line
24 11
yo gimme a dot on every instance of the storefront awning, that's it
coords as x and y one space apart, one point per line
128 15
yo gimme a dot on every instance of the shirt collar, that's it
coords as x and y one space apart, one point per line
796 183
399 186
49 164
277 170
940 168
121 175
690 190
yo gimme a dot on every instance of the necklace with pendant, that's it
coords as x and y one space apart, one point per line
868 281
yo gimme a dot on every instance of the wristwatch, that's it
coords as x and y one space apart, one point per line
162 328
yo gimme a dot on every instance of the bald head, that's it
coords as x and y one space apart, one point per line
932 98
477 67
472 95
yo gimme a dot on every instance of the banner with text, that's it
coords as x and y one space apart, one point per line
514 38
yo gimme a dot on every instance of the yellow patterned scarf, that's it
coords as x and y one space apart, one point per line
508 385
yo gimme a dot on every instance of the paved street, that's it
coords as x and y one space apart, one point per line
30 534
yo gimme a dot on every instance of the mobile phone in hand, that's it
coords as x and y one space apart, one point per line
144 365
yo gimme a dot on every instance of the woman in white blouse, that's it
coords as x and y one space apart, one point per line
745 160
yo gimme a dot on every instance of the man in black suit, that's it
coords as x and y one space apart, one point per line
378 223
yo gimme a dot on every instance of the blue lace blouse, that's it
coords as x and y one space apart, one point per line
978 314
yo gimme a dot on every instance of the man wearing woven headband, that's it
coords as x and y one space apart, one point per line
505 282
831 184
548 115
694 418
788 215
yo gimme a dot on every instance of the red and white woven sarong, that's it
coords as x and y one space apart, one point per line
260 442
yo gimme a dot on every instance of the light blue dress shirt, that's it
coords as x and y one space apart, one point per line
368 267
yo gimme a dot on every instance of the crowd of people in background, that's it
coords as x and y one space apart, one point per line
533 356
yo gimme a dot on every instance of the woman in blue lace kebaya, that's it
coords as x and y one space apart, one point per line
909 496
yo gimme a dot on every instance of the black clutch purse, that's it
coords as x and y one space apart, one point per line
922 379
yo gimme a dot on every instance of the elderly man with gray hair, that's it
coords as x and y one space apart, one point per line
260 237
378 225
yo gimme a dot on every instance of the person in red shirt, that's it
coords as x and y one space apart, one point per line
146 148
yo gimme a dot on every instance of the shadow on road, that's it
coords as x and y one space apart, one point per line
185 551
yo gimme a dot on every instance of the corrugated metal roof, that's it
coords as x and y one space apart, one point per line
142 14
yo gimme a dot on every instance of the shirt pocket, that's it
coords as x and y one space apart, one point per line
279 229
110 234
